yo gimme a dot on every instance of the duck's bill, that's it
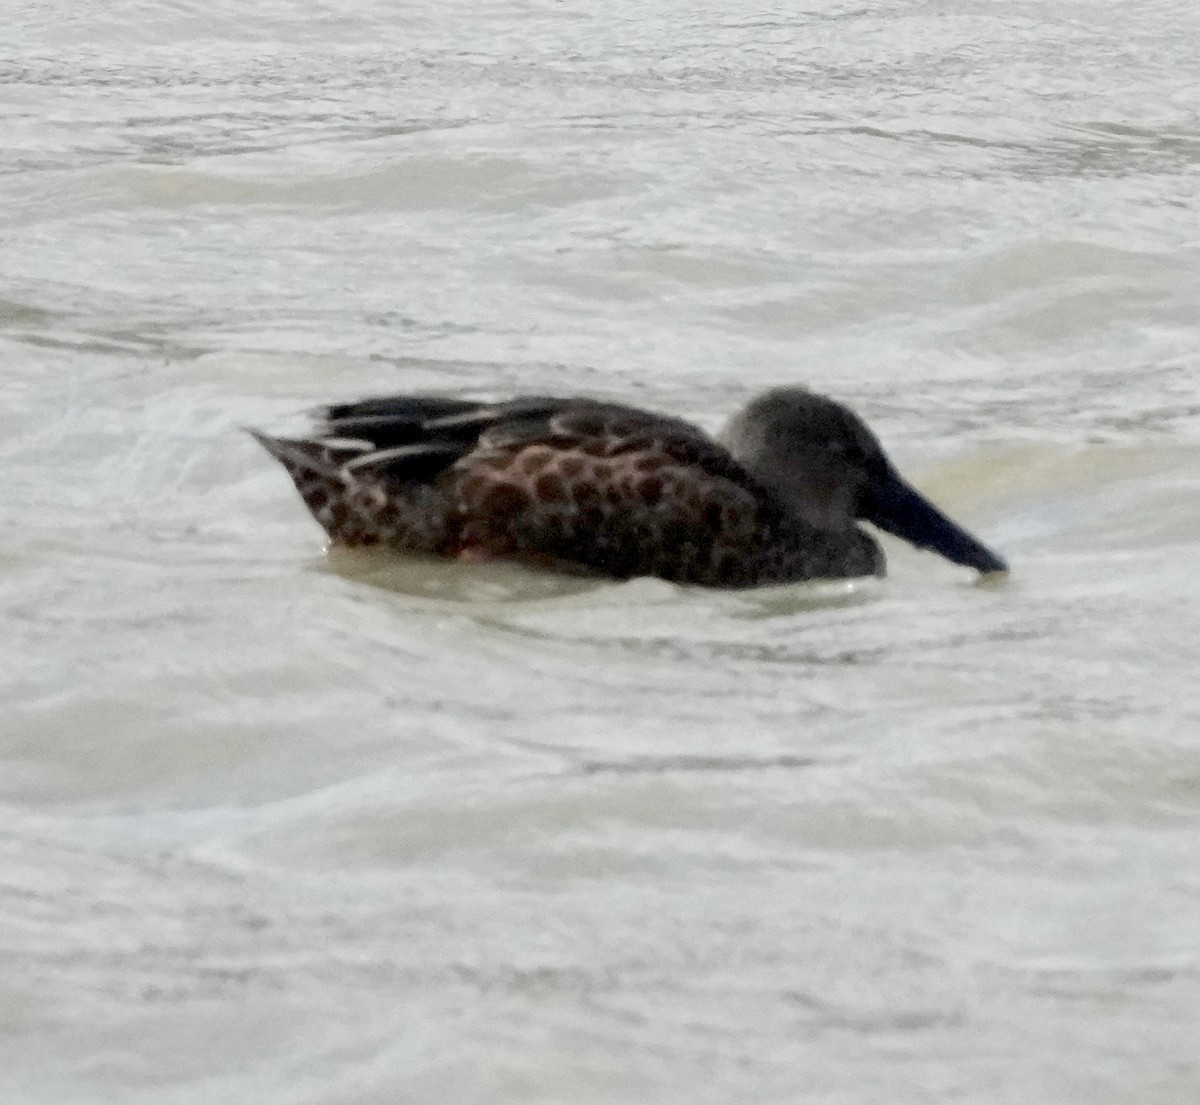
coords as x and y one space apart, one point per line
901 510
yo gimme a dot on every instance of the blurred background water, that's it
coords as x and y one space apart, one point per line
284 827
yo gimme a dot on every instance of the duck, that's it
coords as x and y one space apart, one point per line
597 488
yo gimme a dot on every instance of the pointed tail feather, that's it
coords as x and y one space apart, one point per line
297 455
317 469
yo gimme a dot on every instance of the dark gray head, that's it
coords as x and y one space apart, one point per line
825 466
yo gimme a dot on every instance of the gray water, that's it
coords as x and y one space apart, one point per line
285 827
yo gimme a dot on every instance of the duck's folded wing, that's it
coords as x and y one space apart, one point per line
402 428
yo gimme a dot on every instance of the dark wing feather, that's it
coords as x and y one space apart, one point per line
389 421
416 437
421 461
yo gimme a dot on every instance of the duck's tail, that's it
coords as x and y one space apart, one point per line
353 501
318 469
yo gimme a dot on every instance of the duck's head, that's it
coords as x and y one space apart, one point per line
824 465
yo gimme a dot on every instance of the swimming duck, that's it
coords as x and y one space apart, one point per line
599 488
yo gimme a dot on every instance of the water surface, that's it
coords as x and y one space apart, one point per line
287 827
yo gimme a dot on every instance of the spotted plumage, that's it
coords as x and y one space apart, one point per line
605 489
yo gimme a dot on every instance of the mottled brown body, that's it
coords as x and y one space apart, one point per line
573 484
625 508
